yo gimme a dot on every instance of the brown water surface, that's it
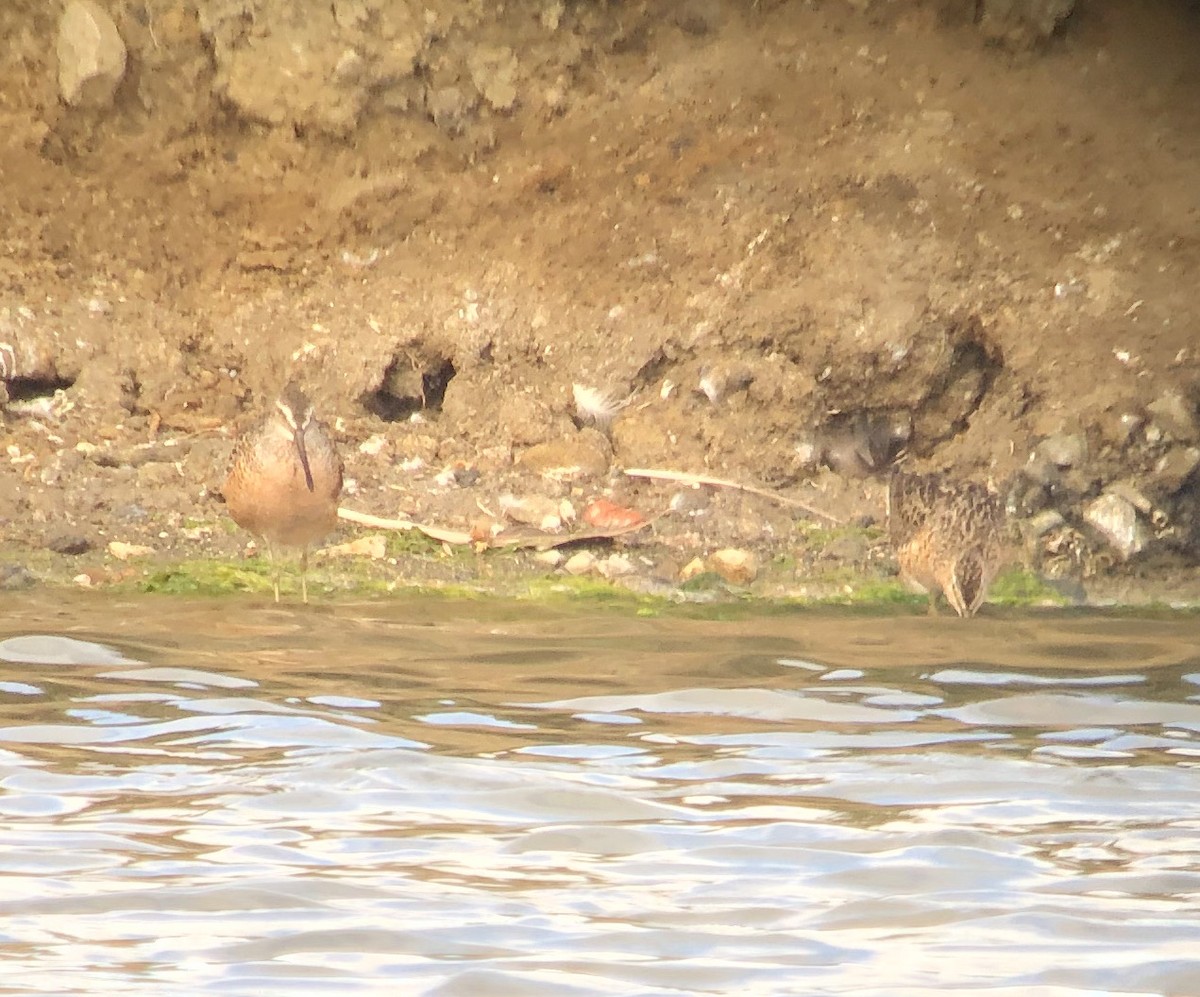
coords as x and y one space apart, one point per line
473 799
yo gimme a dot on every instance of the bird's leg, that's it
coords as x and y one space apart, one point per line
274 567
304 574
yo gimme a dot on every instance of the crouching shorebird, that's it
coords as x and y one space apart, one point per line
948 536
285 476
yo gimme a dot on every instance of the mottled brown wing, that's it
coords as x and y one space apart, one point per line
983 515
911 500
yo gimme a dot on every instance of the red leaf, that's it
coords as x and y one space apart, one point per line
605 515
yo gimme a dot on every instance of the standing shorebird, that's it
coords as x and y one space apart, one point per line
948 535
284 479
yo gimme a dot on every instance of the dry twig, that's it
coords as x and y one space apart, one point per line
687 478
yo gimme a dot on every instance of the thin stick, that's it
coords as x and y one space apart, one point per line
379 523
376 522
687 478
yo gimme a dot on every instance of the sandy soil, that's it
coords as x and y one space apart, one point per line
798 239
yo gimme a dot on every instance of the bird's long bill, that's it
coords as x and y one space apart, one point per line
300 449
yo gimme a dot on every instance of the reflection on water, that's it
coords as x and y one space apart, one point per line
467 800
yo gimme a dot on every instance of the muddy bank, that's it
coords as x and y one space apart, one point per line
780 243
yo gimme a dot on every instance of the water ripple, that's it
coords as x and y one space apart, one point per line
360 800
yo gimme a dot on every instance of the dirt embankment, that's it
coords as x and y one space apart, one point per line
787 241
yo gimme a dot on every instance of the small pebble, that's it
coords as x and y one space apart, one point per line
740 567
580 564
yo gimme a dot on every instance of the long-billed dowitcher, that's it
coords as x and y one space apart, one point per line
284 479
948 535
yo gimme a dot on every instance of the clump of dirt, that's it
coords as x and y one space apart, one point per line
787 243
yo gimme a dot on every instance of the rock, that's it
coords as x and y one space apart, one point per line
1032 489
73 544
1133 495
1045 521
580 563
615 566
1176 468
289 72
1063 449
692 569
15 576
692 502
533 510
1119 427
373 546
373 445
494 72
1117 521
719 381
739 567
123 551
1175 415
1041 472
550 558
91 55
460 474
577 456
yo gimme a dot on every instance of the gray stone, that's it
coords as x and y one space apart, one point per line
72 544
1176 468
15 576
1045 521
1116 520
1063 449
91 55
1176 415
692 502
1119 426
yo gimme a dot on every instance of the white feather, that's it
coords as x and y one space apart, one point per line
595 406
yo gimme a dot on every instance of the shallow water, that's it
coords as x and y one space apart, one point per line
477 800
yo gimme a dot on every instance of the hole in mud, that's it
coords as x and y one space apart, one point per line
26 389
653 370
959 389
858 444
407 388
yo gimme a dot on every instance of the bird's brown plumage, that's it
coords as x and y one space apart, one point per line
948 536
284 479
